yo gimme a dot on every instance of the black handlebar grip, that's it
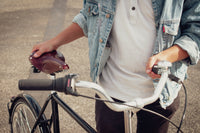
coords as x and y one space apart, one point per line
36 84
156 70
60 84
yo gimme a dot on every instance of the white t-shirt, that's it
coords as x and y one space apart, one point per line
132 39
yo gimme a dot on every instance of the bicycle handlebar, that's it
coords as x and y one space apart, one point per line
69 85
138 102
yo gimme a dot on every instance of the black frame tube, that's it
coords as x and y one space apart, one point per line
55 116
73 114
55 100
41 113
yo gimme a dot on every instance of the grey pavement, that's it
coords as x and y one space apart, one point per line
24 23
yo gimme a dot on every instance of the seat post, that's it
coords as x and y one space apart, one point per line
127 121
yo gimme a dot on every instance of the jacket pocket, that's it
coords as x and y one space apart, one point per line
92 8
170 30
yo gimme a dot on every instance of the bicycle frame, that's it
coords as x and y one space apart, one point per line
55 100
75 85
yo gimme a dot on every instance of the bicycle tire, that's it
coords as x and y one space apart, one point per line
24 112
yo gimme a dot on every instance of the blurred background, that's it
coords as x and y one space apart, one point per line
24 23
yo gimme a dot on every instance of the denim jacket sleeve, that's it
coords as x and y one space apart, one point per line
81 20
190 30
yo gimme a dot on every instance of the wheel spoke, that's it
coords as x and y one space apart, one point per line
26 120
23 119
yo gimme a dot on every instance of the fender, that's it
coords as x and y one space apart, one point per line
27 98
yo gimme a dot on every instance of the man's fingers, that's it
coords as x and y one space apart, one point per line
35 48
37 54
154 76
149 65
151 62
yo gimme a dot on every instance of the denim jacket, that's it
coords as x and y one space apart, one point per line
177 22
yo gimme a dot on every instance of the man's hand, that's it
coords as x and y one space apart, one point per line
172 54
41 48
153 60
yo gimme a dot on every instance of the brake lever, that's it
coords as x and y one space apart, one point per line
161 66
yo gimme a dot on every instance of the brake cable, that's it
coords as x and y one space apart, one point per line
171 77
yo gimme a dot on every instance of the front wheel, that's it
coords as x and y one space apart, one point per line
24 115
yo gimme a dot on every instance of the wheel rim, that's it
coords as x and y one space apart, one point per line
23 119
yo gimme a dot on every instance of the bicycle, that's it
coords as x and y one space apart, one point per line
26 116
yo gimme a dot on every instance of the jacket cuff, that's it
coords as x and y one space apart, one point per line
82 22
190 46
